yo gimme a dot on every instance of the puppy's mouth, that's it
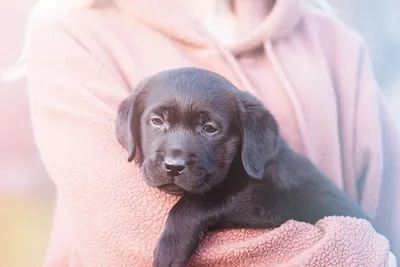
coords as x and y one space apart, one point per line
172 189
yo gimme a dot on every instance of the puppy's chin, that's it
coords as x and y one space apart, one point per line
172 189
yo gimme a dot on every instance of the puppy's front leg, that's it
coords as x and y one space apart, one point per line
184 228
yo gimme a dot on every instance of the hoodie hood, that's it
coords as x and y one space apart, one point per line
174 21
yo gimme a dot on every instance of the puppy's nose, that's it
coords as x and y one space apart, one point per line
174 165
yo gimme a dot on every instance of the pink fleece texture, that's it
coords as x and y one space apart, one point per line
310 70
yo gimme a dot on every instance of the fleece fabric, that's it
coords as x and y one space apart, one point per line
311 71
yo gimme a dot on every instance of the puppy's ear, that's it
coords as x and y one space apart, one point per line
260 132
128 121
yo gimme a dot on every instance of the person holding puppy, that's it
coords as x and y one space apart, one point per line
310 70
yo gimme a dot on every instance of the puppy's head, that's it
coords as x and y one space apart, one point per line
186 126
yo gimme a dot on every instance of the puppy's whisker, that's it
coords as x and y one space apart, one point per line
208 187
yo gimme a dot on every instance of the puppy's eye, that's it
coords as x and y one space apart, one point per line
210 129
157 121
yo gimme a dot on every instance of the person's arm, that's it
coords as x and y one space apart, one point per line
74 92
388 215
377 155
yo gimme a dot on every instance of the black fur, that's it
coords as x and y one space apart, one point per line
244 175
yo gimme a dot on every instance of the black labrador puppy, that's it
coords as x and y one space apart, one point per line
196 135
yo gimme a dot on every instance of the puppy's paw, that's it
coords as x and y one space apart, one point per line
167 253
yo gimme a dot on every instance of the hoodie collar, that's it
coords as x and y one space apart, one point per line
282 19
166 17
172 20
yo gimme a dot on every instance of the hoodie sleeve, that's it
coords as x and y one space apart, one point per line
377 154
74 96
74 91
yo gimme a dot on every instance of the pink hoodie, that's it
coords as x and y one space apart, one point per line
311 71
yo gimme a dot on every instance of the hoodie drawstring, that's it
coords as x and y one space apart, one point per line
298 111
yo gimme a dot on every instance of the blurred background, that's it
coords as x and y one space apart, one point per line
26 192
